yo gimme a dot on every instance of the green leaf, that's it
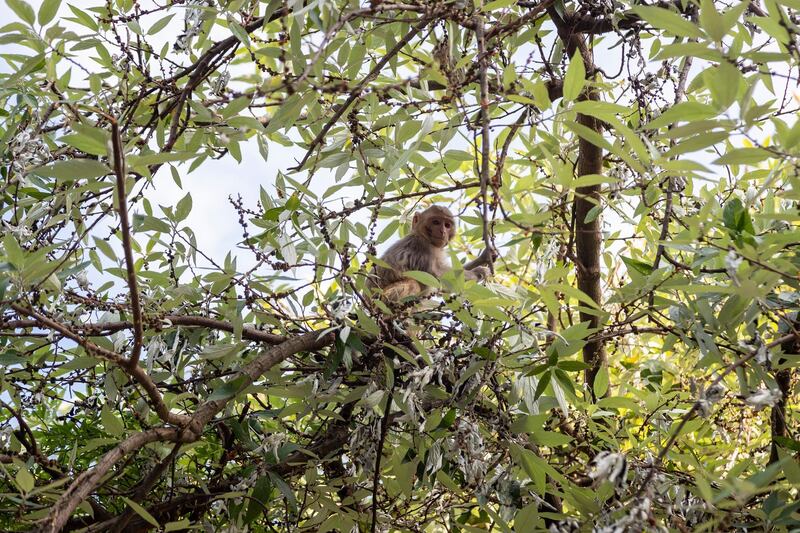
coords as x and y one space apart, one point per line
521 99
106 248
572 366
743 156
736 217
711 20
589 134
601 110
683 112
592 214
48 11
178 525
618 402
541 95
723 82
159 25
459 155
14 252
669 21
528 423
218 351
236 106
238 31
90 140
141 511
575 78
788 443
134 27
148 223
83 17
601 382
24 479
497 4
73 169
638 266
228 389
10 357
286 490
23 10
423 277
111 423
771 26
260 499
183 208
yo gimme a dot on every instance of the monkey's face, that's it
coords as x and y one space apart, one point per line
439 230
436 225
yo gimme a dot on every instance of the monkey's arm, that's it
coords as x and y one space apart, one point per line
478 273
487 257
477 269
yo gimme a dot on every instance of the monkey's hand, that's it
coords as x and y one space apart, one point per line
487 257
478 273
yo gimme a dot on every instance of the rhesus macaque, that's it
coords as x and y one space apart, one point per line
423 249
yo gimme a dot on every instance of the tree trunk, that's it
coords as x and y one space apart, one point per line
588 244
588 239
777 422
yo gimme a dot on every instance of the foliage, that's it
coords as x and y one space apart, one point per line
629 367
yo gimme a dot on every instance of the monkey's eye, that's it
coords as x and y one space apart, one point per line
436 222
447 225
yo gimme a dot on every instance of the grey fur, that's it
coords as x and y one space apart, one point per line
417 252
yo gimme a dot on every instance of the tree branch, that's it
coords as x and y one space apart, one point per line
87 482
136 372
355 93
485 139
99 329
125 227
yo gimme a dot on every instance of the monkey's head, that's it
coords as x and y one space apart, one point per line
436 225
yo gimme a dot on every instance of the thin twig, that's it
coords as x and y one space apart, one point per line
136 372
136 309
696 407
679 93
379 453
357 91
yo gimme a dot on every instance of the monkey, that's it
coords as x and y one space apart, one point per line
423 249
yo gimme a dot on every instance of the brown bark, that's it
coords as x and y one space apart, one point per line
777 419
588 239
588 244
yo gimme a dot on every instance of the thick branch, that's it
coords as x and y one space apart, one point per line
254 369
98 329
87 482
136 372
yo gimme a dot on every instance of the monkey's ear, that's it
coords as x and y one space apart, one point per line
415 219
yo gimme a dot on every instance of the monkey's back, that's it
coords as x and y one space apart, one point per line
409 253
